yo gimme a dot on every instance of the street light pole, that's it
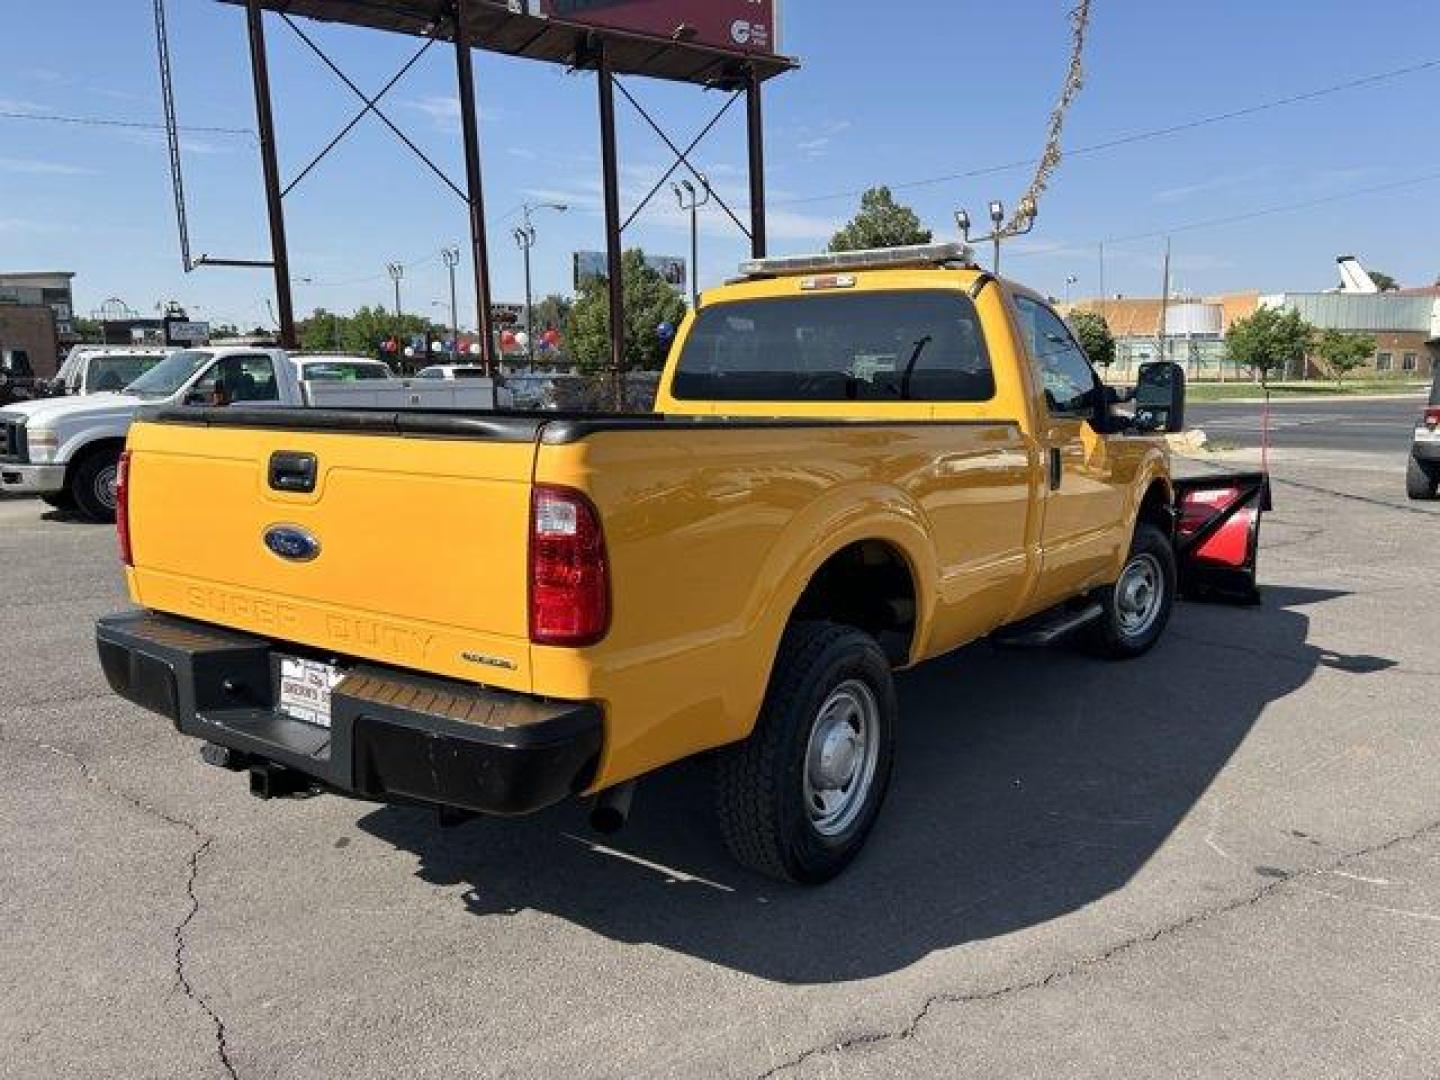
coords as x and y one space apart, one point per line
451 255
525 237
1070 279
690 200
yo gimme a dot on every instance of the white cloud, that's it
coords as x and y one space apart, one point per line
443 110
37 167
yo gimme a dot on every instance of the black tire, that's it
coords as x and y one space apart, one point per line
763 783
1121 634
1421 481
88 484
60 500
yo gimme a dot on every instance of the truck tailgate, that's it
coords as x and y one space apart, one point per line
412 550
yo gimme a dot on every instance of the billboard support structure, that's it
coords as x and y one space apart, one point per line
475 189
614 256
280 253
526 30
755 129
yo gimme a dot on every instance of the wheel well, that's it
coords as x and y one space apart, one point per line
89 450
1156 508
867 585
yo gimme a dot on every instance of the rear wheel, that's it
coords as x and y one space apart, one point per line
798 798
1421 480
1137 607
92 485
60 500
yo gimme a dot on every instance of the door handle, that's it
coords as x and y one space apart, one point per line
293 472
1057 468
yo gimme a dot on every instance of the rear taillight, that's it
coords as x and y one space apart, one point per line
122 507
1432 417
569 574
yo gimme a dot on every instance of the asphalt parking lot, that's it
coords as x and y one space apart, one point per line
1221 859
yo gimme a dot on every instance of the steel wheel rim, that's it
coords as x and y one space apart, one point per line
1139 595
841 757
104 487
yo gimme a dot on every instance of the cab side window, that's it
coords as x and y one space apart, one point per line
1060 364
239 379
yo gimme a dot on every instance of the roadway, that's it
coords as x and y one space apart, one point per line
1221 859
1355 425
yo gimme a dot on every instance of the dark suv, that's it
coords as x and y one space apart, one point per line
1422 475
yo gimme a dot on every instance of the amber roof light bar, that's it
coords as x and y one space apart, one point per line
952 254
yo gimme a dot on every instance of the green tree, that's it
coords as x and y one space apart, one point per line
361 332
649 303
881 223
86 329
1343 352
1383 281
1093 333
321 332
1270 340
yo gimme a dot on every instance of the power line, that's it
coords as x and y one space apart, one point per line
1138 136
98 121
1250 215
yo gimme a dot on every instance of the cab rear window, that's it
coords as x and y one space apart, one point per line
921 345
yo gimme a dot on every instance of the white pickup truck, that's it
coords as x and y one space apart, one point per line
92 369
66 449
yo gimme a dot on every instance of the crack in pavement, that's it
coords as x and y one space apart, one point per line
1088 963
204 841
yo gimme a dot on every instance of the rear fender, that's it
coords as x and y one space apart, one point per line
1217 535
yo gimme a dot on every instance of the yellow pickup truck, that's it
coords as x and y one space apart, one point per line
856 463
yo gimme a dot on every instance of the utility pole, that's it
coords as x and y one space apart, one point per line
690 200
1164 304
525 237
397 272
451 255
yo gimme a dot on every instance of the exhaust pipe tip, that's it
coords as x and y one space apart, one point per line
612 808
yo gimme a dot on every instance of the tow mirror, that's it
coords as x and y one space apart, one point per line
1160 397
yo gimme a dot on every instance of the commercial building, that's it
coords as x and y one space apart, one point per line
30 329
1194 334
1405 326
51 288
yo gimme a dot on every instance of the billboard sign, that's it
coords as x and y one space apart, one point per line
188 333
592 266
738 26
508 316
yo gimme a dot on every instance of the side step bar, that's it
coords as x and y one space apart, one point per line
1047 628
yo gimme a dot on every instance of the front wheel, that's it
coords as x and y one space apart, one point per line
60 500
798 798
1137 607
92 485
1420 481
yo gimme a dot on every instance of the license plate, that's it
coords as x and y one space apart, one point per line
305 687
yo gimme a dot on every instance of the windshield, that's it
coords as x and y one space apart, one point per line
342 371
118 372
874 346
170 374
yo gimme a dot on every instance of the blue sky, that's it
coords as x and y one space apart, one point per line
887 94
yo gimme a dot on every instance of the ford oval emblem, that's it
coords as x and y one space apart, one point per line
292 542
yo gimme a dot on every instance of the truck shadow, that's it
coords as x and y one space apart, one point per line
1027 785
